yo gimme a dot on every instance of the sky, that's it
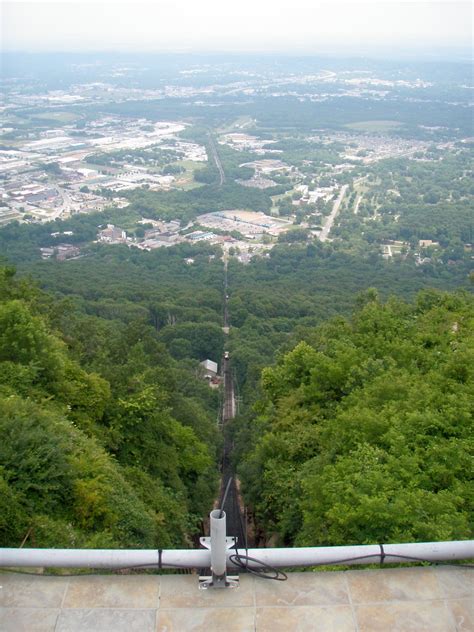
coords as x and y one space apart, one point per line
292 26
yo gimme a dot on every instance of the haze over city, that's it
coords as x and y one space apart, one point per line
384 27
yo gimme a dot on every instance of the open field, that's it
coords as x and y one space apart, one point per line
60 117
241 123
374 126
186 180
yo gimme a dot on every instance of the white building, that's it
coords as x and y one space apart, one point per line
210 368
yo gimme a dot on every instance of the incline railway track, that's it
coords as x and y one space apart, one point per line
229 502
235 518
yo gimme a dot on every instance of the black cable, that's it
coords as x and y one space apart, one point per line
263 569
382 554
402 557
225 497
246 528
97 571
420 559
241 565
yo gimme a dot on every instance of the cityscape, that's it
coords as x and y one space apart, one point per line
59 159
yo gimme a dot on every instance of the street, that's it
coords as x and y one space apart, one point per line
335 210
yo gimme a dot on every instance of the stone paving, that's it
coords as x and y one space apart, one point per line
431 599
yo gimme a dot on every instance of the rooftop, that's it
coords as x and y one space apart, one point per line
431 599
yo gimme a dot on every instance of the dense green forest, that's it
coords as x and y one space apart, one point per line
106 440
272 112
363 432
298 286
100 388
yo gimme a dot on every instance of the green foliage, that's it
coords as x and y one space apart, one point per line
186 205
205 340
295 235
115 456
274 300
365 428
417 200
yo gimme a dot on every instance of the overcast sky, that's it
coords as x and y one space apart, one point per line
295 26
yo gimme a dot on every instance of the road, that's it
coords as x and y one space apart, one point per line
331 218
357 203
217 160
66 204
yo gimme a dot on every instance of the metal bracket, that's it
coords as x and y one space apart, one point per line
218 581
226 581
229 542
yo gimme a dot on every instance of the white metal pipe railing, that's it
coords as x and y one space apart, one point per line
278 557
105 558
364 554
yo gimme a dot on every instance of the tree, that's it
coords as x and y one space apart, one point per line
362 431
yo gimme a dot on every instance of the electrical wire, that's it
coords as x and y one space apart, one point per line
96 571
264 571
224 498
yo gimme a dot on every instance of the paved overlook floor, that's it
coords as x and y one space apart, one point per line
404 599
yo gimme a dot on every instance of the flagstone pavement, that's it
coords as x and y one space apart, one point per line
418 599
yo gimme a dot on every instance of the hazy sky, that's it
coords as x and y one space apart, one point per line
236 25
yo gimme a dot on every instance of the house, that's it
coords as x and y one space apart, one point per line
210 369
112 234
66 251
47 253
426 243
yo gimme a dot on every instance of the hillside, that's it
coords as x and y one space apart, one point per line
106 440
364 430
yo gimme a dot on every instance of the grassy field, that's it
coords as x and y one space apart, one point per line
242 124
185 181
374 126
60 117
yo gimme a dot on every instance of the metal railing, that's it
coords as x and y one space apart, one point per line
223 554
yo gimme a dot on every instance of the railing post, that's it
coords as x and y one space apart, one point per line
218 547
219 544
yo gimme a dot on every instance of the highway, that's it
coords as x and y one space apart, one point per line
217 160
335 210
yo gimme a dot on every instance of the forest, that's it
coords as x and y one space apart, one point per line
104 407
363 430
107 441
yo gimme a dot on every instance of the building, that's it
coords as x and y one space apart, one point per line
210 369
66 251
62 252
426 243
47 253
112 234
